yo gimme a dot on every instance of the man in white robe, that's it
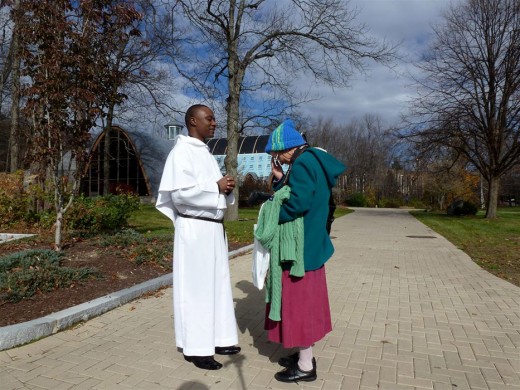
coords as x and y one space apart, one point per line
194 195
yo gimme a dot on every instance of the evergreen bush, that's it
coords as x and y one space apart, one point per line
390 203
462 207
469 208
23 274
103 213
357 199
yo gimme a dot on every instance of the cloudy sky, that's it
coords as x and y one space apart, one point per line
383 91
380 91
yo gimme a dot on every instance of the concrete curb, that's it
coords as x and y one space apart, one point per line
4 237
15 335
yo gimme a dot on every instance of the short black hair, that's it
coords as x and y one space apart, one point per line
190 113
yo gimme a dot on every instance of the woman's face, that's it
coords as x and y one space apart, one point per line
283 157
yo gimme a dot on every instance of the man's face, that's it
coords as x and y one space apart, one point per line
204 124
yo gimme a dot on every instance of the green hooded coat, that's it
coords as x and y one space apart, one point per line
313 175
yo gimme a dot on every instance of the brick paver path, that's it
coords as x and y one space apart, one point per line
410 311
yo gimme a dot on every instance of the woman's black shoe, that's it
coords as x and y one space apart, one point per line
294 374
288 361
204 362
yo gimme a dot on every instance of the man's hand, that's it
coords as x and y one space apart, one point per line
226 184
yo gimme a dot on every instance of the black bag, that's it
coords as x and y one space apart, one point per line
332 208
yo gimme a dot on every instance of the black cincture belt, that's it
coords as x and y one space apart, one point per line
221 221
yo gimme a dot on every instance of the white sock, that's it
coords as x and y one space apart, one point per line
305 360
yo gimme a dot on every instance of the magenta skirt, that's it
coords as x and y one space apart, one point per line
305 311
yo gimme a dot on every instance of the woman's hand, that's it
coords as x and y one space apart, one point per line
276 168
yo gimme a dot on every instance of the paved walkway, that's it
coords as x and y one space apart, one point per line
410 311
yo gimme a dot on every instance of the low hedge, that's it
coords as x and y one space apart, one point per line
23 274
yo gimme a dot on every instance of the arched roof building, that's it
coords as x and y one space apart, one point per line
252 159
137 160
246 145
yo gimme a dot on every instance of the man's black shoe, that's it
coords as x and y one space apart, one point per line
232 350
204 362
294 374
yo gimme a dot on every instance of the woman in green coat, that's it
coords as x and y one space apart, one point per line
305 312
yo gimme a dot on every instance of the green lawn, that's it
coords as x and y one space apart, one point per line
150 222
493 244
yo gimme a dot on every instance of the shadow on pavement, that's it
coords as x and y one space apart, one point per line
193 386
250 312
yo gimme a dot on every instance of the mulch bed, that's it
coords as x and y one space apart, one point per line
117 273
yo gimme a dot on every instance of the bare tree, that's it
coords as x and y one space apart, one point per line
6 48
363 145
10 70
65 47
15 140
445 183
133 65
470 96
241 51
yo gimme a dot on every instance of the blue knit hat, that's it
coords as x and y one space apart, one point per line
284 137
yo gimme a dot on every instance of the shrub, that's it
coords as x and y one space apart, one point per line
25 200
155 250
29 203
141 249
418 204
121 188
45 218
357 199
14 202
103 213
469 208
23 274
462 207
122 239
390 203
250 189
370 197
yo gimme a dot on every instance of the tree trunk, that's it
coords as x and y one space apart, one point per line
482 199
233 129
440 201
6 71
58 206
57 231
231 162
14 144
492 197
106 151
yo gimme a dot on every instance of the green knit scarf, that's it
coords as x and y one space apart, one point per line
285 244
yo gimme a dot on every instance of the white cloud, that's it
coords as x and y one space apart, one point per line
382 91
